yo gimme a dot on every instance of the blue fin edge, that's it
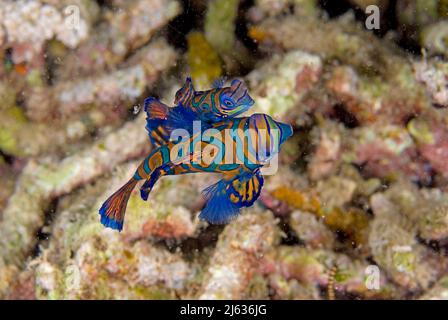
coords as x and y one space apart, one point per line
108 222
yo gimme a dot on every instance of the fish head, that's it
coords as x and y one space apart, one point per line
216 104
234 100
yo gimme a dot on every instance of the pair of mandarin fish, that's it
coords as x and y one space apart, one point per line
235 147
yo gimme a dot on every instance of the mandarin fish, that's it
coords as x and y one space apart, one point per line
236 148
216 104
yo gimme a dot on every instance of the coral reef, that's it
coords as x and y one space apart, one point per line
113 89
233 268
433 74
311 268
124 28
220 26
281 82
438 292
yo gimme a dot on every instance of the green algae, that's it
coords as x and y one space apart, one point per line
203 60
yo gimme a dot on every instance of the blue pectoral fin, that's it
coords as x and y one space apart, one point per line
219 209
162 120
226 197
185 93
157 133
161 123
246 188
182 118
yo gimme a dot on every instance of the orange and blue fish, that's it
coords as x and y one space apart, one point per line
210 106
235 147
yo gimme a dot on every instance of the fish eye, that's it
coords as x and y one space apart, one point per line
228 103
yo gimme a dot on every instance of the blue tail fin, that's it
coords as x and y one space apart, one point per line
113 209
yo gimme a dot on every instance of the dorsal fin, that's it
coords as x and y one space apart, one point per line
185 94
156 115
161 120
155 109
246 189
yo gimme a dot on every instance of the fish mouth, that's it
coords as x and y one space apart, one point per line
286 132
